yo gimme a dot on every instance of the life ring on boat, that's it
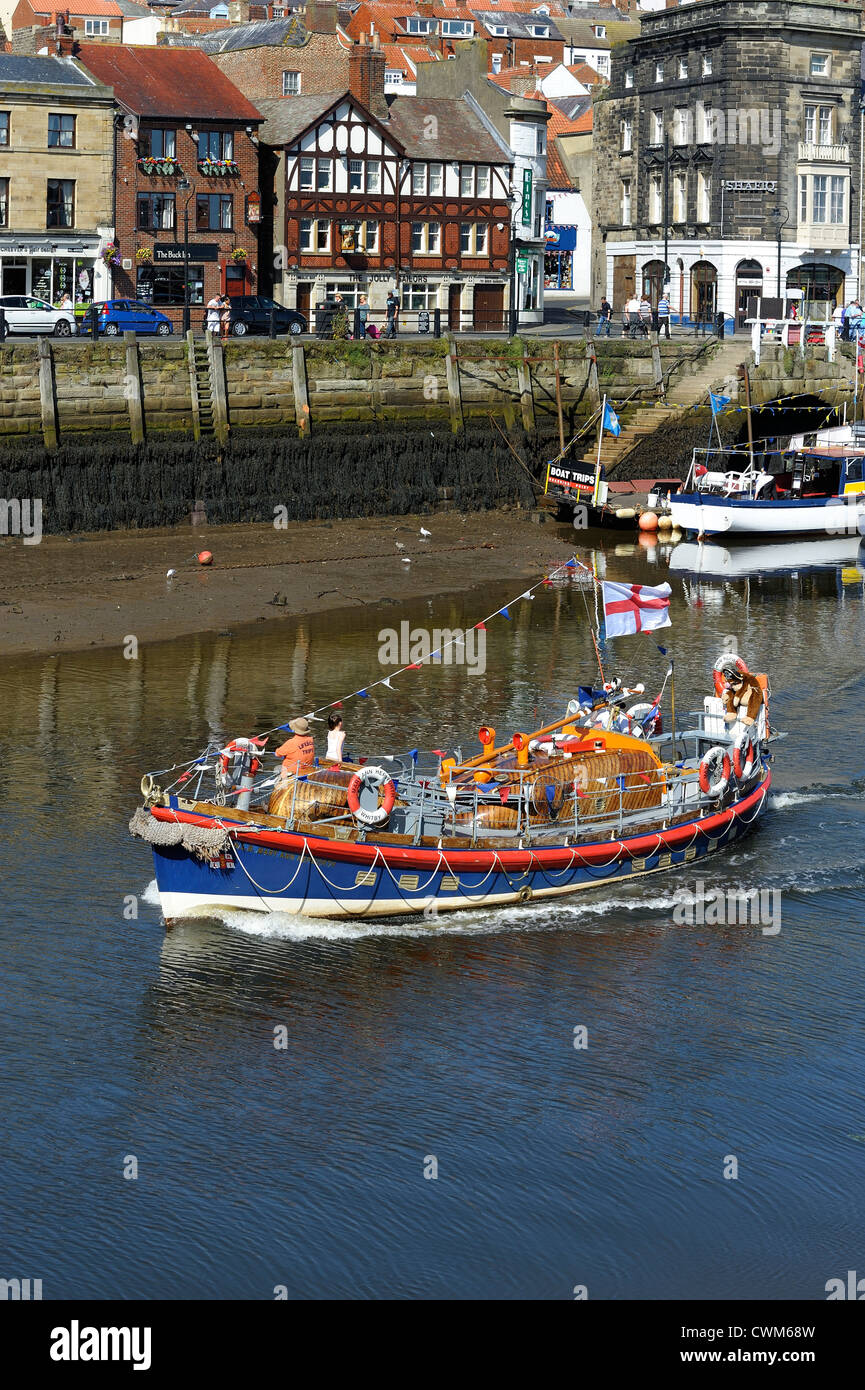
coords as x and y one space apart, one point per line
744 768
720 683
376 779
711 783
239 748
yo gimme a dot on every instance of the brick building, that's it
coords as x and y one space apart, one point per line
186 160
370 194
293 56
56 133
743 119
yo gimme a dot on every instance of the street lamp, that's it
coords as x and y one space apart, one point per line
776 215
183 185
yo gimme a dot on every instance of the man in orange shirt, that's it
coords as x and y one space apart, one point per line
297 753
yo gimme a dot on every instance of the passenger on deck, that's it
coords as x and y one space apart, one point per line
298 752
335 736
742 699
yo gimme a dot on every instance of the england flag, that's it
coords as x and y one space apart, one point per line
632 608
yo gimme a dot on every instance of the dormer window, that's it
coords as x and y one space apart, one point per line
540 31
416 25
458 28
600 31
499 30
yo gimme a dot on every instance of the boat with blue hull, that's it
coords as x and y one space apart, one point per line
601 794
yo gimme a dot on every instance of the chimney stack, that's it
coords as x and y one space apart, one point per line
366 63
320 17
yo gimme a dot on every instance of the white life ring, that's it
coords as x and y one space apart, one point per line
238 751
744 767
376 779
715 762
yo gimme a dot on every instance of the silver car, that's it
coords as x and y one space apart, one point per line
25 314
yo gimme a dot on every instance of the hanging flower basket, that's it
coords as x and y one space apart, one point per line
144 255
110 253
239 255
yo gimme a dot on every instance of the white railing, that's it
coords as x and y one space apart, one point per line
831 154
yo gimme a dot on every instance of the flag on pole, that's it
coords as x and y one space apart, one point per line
611 420
718 402
630 608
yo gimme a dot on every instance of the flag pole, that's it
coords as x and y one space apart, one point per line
596 488
673 703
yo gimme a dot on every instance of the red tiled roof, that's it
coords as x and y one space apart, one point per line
585 74
177 82
557 174
559 123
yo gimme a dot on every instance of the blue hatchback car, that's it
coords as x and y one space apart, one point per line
127 316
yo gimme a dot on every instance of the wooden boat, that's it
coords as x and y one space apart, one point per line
599 795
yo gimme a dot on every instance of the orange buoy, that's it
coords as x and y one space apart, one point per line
648 521
204 558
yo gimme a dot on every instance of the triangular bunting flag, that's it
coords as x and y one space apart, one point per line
480 627
362 695
551 794
505 614
451 792
504 793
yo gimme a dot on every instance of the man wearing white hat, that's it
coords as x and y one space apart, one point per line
298 752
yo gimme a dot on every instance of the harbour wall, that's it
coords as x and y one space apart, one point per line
55 390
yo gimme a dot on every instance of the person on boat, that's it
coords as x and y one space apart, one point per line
335 736
298 752
742 698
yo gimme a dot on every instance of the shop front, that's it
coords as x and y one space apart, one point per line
49 269
559 249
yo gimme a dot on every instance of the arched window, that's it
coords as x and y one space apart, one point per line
823 284
749 286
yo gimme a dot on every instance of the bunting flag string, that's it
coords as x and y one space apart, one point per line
559 571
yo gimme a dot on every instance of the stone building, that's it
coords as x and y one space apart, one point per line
56 138
743 120
187 181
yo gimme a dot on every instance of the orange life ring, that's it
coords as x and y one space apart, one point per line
710 783
376 779
721 684
239 747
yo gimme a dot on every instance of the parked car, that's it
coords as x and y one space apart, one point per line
24 314
250 313
128 316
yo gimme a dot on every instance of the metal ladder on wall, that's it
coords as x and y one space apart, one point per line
201 384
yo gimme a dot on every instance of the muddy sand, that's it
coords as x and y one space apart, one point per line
74 592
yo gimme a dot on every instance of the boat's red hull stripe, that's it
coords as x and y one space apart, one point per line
412 856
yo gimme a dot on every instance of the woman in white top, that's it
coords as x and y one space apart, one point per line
335 737
214 309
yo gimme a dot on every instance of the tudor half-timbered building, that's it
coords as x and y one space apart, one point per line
370 195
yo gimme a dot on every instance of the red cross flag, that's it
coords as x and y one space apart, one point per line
635 608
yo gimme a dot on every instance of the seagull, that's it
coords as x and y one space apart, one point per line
406 559
399 545
424 531
170 573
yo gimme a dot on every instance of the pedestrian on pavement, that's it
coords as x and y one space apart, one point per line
225 315
605 314
646 315
664 315
362 314
214 314
633 310
392 310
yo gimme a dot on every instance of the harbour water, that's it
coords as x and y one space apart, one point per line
162 1142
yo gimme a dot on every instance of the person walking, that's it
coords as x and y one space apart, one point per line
605 315
633 311
214 314
391 312
645 315
664 315
225 316
362 314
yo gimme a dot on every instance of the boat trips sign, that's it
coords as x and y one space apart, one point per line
572 481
